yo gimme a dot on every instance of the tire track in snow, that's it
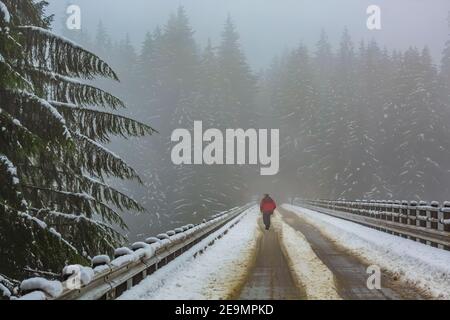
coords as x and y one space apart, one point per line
270 277
348 267
309 272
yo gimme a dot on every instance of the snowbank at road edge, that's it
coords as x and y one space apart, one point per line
423 266
215 274
308 270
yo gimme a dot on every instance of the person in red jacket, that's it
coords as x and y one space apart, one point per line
267 208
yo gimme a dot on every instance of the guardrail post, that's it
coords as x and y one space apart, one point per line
396 211
404 212
383 210
412 213
364 208
372 207
389 208
358 207
369 208
378 206
354 207
444 217
432 215
422 215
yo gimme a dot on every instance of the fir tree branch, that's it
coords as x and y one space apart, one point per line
63 55
99 125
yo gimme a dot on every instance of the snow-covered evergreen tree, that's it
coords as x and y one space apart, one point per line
55 206
423 143
341 129
209 91
445 70
103 43
365 179
324 64
237 83
297 110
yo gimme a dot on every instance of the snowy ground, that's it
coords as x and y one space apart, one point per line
213 275
308 270
426 267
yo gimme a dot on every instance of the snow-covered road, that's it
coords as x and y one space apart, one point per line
270 278
413 263
306 254
216 274
310 273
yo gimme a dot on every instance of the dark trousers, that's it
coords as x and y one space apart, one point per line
266 219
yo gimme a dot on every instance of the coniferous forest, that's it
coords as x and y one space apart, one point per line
85 125
356 121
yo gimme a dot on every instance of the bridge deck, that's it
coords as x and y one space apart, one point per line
349 271
270 277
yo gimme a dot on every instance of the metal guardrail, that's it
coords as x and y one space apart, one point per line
428 223
111 278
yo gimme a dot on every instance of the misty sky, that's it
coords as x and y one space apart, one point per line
267 27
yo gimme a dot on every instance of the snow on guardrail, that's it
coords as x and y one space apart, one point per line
109 278
216 274
425 222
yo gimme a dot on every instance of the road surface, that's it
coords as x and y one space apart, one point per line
349 271
254 257
270 277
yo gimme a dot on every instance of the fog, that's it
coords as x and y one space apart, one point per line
361 114
269 26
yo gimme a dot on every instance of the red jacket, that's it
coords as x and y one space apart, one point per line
267 205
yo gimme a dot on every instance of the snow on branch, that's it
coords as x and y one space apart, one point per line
80 220
5 117
108 193
85 202
10 183
63 55
4 13
69 179
70 90
16 75
107 161
99 124
26 100
40 224
11 170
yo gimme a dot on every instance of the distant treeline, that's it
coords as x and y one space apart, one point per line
171 81
357 121
363 122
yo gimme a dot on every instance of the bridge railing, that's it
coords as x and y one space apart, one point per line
421 221
108 278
